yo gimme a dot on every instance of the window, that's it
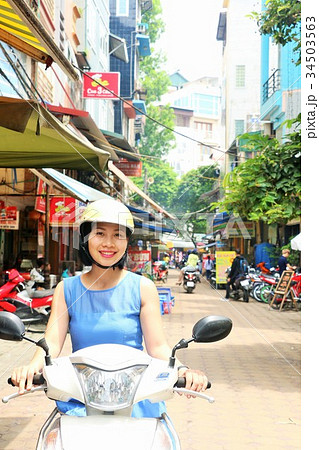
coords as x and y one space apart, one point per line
122 7
240 76
239 127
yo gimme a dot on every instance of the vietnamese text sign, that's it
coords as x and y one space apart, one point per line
223 261
129 168
40 199
9 217
103 85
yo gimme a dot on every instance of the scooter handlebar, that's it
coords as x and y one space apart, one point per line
38 380
181 383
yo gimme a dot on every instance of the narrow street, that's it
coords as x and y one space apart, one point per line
255 373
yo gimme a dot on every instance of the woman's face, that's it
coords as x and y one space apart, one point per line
107 243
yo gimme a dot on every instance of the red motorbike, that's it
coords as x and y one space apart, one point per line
28 304
160 271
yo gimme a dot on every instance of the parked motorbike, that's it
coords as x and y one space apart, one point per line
190 279
19 297
109 379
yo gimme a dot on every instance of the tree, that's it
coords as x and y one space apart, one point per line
189 197
164 186
281 19
158 137
268 187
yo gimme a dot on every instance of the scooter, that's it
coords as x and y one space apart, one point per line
17 296
109 379
160 272
190 279
240 287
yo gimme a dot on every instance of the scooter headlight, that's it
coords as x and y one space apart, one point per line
109 390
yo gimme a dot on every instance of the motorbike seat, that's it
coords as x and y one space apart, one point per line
42 293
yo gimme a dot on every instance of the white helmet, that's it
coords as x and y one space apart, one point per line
108 210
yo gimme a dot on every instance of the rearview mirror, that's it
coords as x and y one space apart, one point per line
212 328
11 327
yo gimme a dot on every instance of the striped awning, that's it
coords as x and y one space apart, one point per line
20 28
13 31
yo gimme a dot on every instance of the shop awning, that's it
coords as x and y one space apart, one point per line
118 48
31 137
136 189
123 148
21 28
70 186
141 107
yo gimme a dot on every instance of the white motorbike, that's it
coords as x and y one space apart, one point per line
109 379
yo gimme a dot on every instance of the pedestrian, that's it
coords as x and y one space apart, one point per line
283 261
37 273
208 267
108 304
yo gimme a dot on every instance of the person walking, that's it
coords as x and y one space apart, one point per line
107 305
208 266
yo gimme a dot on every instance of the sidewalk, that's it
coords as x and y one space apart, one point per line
255 373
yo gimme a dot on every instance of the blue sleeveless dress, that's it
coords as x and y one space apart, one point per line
110 316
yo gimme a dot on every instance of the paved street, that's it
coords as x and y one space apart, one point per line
255 373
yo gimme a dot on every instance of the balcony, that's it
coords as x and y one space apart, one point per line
271 86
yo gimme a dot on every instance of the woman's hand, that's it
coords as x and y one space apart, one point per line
23 376
196 380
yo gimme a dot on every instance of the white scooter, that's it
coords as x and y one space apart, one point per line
109 379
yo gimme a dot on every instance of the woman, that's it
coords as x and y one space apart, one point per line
108 304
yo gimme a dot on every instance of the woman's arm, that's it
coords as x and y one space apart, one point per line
55 334
154 337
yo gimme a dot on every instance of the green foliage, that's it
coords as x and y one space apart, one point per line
157 139
268 187
188 196
281 19
164 188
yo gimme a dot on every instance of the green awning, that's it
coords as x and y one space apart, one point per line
31 137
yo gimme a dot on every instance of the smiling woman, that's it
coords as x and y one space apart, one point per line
107 305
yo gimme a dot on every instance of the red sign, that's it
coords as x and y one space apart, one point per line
129 168
62 211
40 200
101 85
9 217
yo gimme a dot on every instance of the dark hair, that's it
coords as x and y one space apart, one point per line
40 262
85 230
237 251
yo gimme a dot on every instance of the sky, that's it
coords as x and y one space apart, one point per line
189 40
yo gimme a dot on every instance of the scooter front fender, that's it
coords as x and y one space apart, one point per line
120 433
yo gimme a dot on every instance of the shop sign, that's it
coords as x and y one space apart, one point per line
223 261
9 217
40 234
62 211
238 228
139 261
65 211
129 168
94 88
40 199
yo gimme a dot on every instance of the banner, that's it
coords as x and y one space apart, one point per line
40 199
139 261
129 168
94 88
9 217
223 261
